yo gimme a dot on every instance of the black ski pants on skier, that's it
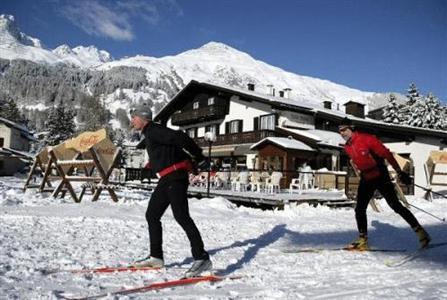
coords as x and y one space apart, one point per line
172 192
366 191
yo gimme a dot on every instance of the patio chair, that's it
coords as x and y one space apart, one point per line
240 183
256 181
295 184
273 183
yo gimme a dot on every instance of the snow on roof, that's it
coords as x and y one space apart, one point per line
13 124
25 132
287 143
301 102
367 121
322 137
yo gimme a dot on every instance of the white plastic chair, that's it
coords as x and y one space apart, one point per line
306 180
273 183
221 180
256 181
241 182
295 184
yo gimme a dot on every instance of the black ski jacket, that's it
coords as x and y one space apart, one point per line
166 146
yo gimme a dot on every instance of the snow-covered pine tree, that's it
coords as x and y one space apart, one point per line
60 125
391 112
427 112
435 116
412 94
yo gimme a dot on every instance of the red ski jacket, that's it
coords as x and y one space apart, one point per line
367 153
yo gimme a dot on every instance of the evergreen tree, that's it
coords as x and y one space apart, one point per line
427 112
412 94
60 125
391 112
435 117
93 115
122 116
10 111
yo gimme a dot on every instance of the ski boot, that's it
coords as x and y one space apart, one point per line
424 237
198 267
361 244
149 262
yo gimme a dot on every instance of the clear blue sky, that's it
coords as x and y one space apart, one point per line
371 45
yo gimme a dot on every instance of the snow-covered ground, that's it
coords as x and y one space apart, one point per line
38 232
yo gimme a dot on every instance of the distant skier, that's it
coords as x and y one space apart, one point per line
368 156
170 161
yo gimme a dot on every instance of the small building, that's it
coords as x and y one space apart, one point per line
15 142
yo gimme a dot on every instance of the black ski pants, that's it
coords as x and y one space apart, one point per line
364 194
173 192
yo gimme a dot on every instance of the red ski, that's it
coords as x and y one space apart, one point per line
159 286
102 270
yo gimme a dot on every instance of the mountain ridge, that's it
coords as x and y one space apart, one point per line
82 70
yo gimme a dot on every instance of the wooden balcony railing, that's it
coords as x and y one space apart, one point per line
208 113
238 138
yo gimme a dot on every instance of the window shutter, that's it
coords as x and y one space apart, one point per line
227 127
256 123
240 128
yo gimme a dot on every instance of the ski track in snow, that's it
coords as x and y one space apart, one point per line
38 233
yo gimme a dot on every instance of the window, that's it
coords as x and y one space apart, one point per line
233 126
212 128
267 122
211 101
2 141
195 105
191 132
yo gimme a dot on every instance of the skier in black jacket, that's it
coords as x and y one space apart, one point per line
170 152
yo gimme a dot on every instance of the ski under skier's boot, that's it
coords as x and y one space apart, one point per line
198 267
424 237
361 244
150 261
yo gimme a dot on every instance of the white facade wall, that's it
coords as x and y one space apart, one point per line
245 111
5 133
419 151
13 139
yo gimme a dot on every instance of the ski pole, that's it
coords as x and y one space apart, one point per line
429 190
438 218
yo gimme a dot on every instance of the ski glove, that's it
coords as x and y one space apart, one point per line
405 178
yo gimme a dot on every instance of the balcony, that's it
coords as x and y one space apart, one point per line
204 114
238 138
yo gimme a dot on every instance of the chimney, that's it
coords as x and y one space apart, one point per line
271 89
327 104
287 92
251 86
355 108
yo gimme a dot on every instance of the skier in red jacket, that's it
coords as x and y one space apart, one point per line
368 156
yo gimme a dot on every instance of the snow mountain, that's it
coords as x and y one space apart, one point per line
82 56
15 44
29 68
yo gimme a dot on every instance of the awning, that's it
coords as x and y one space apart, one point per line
229 150
224 150
243 150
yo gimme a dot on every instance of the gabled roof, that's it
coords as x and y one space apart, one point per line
320 137
285 143
25 132
304 105
194 87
